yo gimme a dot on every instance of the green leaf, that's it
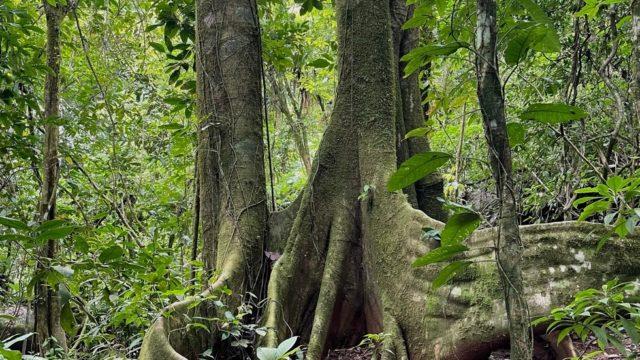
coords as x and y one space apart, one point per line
516 132
459 227
319 63
265 353
56 233
553 113
111 253
416 168
563 334
439 254
17 339
416 58
287 345
68 320
158 47
10 354
632 331
530 36
417 132
446 274
595 207
536 12
13 223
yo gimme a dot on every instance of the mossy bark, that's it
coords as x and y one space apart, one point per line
231 176
508 246
47 307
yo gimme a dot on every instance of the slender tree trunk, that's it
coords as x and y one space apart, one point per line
423 194
635 14
509 249
296 125
47 299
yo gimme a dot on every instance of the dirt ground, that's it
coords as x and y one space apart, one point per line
588 350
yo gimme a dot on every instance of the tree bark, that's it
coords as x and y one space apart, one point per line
47 306
509 248
411 116
635 86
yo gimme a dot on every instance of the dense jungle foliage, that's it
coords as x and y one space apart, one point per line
115 231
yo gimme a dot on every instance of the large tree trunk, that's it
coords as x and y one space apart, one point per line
231 178
509 248
347 243
47 299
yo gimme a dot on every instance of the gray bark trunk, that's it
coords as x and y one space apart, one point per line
509 248
46 298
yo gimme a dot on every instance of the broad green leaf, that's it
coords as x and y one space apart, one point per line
416 58
595 207
50 224
440 254
319 63
586 199
111 253
536 12
416 168
417 132
68 320
264 353
56 233
10 354
527 37
446 274
459 227
516 132
287 345
158 47
563 334
13 223
553 113
616 183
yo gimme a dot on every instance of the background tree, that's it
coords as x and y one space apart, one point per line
509 247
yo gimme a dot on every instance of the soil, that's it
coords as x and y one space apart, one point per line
542 351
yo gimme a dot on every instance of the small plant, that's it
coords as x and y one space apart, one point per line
373 342
606 314
5 347
284 351
614 199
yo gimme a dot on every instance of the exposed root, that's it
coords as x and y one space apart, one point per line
393 347
333 271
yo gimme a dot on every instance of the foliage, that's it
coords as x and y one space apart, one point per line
607 314
286 350
616 200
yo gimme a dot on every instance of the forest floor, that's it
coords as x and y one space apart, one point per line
542 352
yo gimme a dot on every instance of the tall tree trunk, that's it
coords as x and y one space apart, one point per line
430 188
509 248
231 176
635 86
233 203
47 299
